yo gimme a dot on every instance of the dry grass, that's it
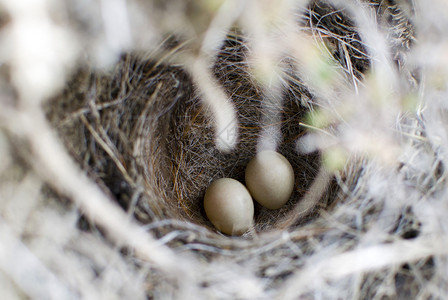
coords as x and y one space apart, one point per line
117 115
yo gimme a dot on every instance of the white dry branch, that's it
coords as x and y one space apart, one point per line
224 114
361 261
50 161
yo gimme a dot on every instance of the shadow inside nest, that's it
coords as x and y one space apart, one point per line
196 162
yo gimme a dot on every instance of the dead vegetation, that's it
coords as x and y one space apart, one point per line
112 129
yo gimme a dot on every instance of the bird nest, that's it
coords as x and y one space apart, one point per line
146 133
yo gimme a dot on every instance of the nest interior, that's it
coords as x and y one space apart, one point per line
154 133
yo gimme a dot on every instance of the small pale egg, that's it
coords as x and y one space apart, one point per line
270 179
229 206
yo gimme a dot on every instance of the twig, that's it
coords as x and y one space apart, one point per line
362 260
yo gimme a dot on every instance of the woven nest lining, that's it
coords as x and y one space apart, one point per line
163 137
